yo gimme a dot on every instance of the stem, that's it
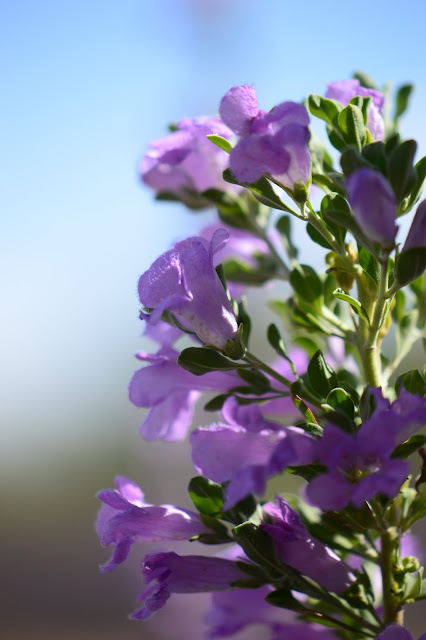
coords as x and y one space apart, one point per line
391 610
369 344
258 364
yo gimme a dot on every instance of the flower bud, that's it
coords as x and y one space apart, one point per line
373 204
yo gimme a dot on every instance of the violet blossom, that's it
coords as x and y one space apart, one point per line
166 573
125 518
183 280
360 465
274 143
395 632
345 90
170 393
373 204
232 611
186 161
301 632
417 234
248 449
295 547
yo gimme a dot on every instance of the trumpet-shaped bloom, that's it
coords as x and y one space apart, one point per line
170 393
275 143
345 90
373 204
167 573
295 547
186 161
417 234
125 518
395 632
360 465
184 281
248 450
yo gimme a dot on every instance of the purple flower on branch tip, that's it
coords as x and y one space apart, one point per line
295 547
184 281
360 465
345 90
373 203
274 143
167 573
125 518
232 611
248 450
395 632
170 393
301 631
186 160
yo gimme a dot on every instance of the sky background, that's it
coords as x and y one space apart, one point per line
86 85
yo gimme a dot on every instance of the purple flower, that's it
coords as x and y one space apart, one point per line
125 518
242 244
248 450
184 281
417 234
373 204
232 611
395 632
302 632
360 465
295 547
275 143
167 573
345 90
171 393
186 160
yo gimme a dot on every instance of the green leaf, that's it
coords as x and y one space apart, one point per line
340 400
306 283
257 545
256 379
402 99
355 304
327 110
216 403
412 445
365 80
220 142
370 265
262 191
348 222
283 598
307 344
351 160
410 265
321 376
201 360
206 495
402 175
276 342
284 227
230 208
375 154
420 169
299 404
412 381
351 123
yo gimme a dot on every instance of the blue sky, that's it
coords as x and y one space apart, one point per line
86 85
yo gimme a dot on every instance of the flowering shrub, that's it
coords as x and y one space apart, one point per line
331 409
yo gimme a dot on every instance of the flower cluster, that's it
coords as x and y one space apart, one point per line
338 560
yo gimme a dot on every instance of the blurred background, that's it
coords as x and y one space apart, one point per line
86 85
